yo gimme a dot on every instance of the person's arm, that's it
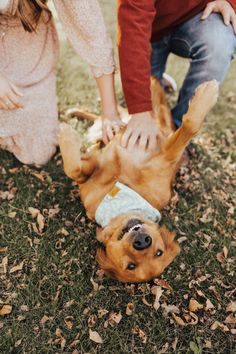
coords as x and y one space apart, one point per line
85 28
226 8
135 18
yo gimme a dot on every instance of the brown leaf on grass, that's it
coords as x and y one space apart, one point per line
178 320
230 319
24 308
40 221
191 318
209 305
231 307
146 302
174 344
129 309
158 293
163 284
164 349
12 214
33 212
220 325
102 312
194 305
5 310
44 319
222 256
114 318
170 309
4 264
92 321
95 285
95 337
3 249
137 331
68 320
63 231
17 268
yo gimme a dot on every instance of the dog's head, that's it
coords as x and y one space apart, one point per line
136 250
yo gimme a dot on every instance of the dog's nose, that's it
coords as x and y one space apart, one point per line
142 241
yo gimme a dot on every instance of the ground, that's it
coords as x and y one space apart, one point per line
54 299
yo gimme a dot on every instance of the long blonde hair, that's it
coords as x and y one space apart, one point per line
30 11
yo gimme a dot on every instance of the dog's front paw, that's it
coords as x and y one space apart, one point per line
202 102
206 96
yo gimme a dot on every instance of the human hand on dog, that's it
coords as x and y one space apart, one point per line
110 127
141 130
224 8
9 94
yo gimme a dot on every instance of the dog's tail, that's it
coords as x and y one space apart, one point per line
80 115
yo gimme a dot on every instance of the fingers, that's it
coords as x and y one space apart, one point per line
133 140
110 129
14 100
125 137
226 16
208 10
3 105
16 90
233 21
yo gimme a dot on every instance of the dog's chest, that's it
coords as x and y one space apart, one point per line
135 158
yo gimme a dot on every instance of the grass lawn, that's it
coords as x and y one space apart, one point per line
59 302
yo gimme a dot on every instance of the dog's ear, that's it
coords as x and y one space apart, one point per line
103 234
172 246
105 263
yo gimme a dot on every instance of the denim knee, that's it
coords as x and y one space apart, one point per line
215 45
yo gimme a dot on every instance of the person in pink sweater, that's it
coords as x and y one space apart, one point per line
28 58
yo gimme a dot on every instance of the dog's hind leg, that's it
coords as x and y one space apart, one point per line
204 99
70 145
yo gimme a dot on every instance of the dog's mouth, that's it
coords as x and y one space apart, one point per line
133 225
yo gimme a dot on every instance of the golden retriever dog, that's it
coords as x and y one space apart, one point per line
125 191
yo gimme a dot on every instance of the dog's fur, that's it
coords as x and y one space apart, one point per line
148 173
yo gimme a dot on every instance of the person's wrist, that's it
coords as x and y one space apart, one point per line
142 115
110 113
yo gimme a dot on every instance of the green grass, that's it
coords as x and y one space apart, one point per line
58 266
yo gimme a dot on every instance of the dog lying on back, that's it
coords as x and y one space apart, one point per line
125 192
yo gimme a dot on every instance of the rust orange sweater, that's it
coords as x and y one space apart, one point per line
139 23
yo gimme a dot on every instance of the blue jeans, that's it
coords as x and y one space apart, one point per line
209 44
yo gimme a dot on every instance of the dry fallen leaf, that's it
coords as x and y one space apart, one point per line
68 320
17 267
136 330
34 212
231 307
114 318
4 264
178 320
5 310
95 337
157 290
129 309
194 305
12 214
209 305
3 249
40 221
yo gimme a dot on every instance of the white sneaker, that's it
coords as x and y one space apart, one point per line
169 83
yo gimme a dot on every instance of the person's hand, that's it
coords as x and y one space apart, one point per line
224 8
141 130
110 127
9 95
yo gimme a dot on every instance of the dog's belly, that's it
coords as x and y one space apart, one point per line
137 157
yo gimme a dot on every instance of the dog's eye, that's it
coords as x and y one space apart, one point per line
131 266
159 253
136 227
